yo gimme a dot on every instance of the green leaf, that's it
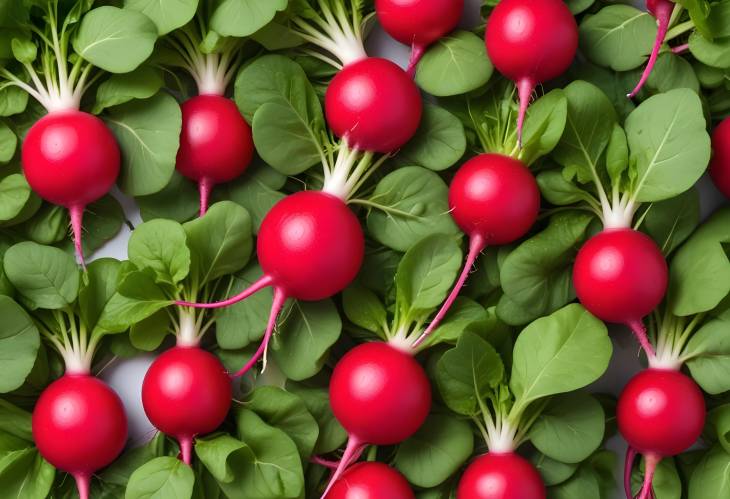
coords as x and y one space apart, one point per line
142 83
468 373
713 53
711 477
553 472
708 352
275 95
161 478
699 274
464 315
115 40
305 335
426 274
97 289
15 193
19 343
420 198
8 143
559 191
148 132
672 221
178 201
220 242
24 50
241 324
244 17
288 412
13 100
454 65
670 72
437 450
617 156
562 352
545 124
666 483
160 245
137 298
570 428
439 142
719 420
46 277
364 309
582 485
331 434
25 473
669 144
148 334
538 274
257 190
15 422
618 36
168 15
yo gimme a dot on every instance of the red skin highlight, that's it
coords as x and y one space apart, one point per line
501 476
186 392
79 426
371 480
374 105
70 158
216 143
531 42
720 165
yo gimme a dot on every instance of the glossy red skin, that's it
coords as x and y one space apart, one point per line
216 142
371 480
380 395
661 412
501 476
620 275
534 39
79 424
374 104
311 244
70 158
720 165
418 22
186 392
495 197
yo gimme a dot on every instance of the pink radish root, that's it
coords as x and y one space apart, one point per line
651 461
205 186
186 449
417 51
662 10
83 484
639 330
77 216
525 87
352 453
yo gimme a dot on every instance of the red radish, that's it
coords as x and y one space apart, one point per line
216 144
661 413
310 247
371 480
374 105
530 42
662 11
418 23
79 426
720 165
501 476
620 275
380 395
495 200
70 158
186 392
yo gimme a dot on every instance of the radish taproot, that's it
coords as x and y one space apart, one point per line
371 480
418 23
501 476
495 200
531 42
662 11
720 165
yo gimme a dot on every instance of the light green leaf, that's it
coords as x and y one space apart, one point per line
708 354
142 83
19 343
160 245
364 309
544 126
14 195
711 477
168 15
244 17
439 142
161 478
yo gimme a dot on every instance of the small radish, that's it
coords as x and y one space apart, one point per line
530 42
662 11
216 143
720 165
70 158
661 413
186 392
371 103
620 275
371 480
418 23
495 200
79 426
380 395
501 476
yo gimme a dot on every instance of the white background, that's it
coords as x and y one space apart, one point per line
125 376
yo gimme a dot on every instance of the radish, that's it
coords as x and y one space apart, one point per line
371 103
662 11
371 480
380 395
495 200
186 392
720 165
620 275
418 23
661 413
530 42
216 142
79 426
501 476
